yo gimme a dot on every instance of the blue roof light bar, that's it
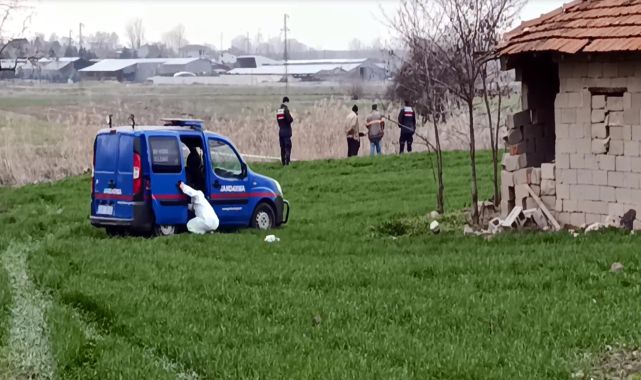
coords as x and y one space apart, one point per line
195 124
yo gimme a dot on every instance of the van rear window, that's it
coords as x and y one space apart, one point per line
165 155
106 152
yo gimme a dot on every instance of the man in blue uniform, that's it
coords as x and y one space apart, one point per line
407 124
285 120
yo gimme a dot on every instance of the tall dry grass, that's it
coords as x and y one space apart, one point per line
51 142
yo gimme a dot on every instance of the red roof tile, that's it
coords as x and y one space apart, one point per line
581 26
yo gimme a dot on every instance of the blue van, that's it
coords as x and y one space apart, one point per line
136 170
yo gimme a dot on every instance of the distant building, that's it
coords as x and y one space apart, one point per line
198 66
196 51
131 70
253 61
227 59
49 69
140 69
318 69
61 69
219 68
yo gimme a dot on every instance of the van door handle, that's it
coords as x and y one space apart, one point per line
112 184
216 185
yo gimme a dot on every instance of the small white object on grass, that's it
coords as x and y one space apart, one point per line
616 267
271 239
435 227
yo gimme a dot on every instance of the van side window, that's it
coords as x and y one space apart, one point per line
224 160
165 155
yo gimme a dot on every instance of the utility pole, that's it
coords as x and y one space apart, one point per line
80 36
221 43
285 56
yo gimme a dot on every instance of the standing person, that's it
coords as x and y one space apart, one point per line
375 131
353 133
285 121
407 124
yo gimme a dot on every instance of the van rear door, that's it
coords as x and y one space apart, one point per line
165 160
113 176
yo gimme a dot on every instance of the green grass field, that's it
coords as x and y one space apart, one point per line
333 299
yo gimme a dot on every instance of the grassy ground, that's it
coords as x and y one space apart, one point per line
334 298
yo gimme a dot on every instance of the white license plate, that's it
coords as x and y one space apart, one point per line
105 210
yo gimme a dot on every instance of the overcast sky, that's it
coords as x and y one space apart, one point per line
328 24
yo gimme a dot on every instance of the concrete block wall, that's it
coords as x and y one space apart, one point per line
530 141
598 140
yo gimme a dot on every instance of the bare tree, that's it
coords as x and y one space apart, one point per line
415 82
135 33
175 38
16 11
463 35
420 79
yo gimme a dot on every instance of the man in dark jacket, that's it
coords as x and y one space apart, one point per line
407 124
285 121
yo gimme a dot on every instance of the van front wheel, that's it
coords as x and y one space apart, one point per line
264 217
164 230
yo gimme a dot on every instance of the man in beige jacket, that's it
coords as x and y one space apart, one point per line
353 132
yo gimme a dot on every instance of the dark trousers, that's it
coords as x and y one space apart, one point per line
285 149
352 147
406 138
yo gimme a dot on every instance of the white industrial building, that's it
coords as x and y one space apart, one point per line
140 69
318 69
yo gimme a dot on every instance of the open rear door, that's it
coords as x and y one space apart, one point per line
113 190
167 169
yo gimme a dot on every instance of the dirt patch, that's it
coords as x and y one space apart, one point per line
616 364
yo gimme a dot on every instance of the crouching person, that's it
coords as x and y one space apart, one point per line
206 219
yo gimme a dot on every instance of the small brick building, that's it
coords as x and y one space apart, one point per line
577 142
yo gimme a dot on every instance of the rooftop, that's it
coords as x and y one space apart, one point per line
582 26
306 69
59 59
110 65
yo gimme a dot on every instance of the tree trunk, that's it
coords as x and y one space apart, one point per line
493 146
440 197
496 130
475 195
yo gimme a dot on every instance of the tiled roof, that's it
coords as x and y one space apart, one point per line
588 26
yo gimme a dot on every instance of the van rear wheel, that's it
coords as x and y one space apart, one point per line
264 217
164 230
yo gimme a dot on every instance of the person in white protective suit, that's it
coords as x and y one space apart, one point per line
206 219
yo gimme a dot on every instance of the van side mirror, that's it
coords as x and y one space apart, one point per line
243 169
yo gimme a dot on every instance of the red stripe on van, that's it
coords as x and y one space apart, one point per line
168 197
118 197
241 195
